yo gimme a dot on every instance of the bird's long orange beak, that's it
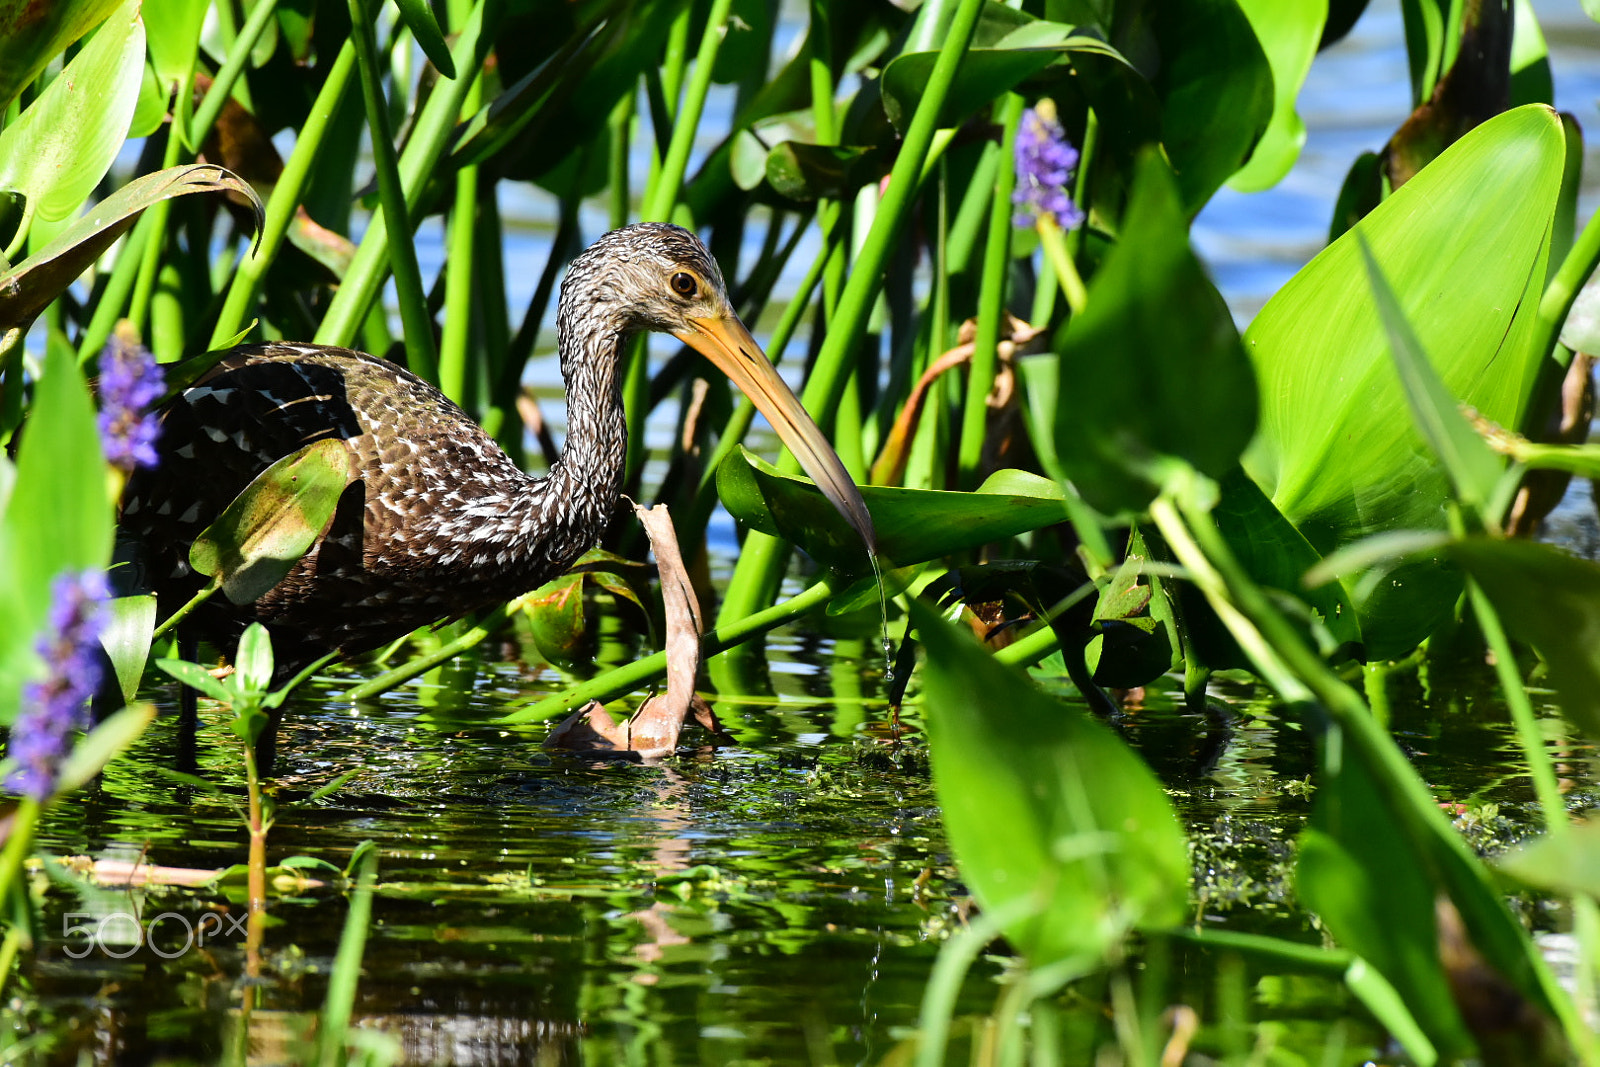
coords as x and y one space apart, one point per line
726 342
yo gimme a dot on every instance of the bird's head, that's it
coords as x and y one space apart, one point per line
659 277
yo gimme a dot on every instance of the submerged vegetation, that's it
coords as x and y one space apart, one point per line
1066 445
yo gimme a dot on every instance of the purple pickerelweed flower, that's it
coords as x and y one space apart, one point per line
130 381
54 707
1045 162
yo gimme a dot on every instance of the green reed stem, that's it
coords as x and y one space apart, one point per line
991 301
334 1026
284 202
418 324
233 65
762 559
430 135
456 337
114 297
1534 750
625 679
156 216
420 665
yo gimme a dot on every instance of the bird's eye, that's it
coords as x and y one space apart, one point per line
683 284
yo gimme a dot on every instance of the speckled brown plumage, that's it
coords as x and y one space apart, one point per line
439 521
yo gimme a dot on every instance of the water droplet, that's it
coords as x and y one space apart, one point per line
883 612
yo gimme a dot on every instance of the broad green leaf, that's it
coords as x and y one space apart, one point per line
912 525
1272 551
1550 600
555 617
29 286
1154 362
1215 87
127 640
174 39
59 517
1289 32
984 74
261 535
1336 450
64 142
32 34
1054 821
1473 467
1389 1008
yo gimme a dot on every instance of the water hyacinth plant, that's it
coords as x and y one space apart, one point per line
965 231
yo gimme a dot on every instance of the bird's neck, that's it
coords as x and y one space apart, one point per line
582 486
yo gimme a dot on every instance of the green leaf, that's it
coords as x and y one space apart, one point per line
555 615
1358 871
1550 600
1335 449
174 39
986 72
419 20
64 142
259 537
252 663
1156 368
32 34
1054 821
1216 93
197 677
807 172
29 286
127 640
1473 467
1289 32
913 525
58 518
1563 866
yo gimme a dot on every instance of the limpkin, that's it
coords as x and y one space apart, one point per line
439 521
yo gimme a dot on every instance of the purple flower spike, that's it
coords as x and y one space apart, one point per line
130 381
54 707
1045 162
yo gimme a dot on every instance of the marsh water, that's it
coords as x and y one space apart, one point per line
778 900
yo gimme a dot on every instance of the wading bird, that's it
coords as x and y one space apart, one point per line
439 522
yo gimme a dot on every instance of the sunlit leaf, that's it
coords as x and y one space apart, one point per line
252 663
1473 468
32 34
1336 450
1216 93
64 142
127 639
1289 33
912 525
1052 818
29 286
174 29
419 20
1156 368
555 617
259 537
197 677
